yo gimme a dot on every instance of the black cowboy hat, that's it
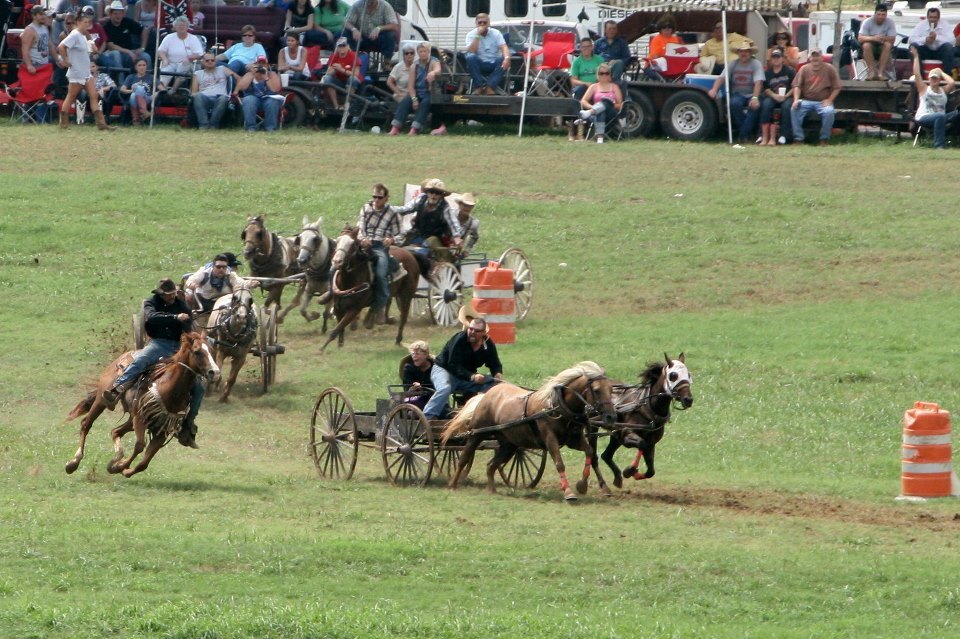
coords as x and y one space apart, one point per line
166 285
232 260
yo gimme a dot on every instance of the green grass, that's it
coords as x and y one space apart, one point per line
812 291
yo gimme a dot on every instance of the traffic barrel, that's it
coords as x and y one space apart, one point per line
493 296
926 464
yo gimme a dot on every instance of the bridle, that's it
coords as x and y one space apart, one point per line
590 408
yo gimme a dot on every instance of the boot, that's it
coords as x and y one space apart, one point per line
381 317
64 120
571 132
580 129
115 392
135 116
188 433
102 122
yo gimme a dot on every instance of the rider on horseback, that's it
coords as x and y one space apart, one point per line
379 228
166 317
213 281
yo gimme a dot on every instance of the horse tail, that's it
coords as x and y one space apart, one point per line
83 407
461 422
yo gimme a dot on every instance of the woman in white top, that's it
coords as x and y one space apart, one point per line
293 59
75 58
145 12
177 52
932 101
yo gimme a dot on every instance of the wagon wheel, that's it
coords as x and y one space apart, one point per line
447 460
445 294
139 339
266 340
407 446
333 435
515 260
525 468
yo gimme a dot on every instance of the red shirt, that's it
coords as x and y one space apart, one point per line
348 62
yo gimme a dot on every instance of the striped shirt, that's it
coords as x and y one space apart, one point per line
378 225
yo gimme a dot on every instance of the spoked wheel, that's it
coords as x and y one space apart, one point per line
333 435
420 308
447 461
525 468
267 344
139 336
445 294
407 446
515 260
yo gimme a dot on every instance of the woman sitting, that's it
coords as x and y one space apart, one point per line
932 101
292 59
791 54
137 90
423 73
601 103
418 388
656 61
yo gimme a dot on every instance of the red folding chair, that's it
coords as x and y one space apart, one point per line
552 76
29 97
680 59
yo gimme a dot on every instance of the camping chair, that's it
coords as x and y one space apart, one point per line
615 126
552 77
680 59
29 97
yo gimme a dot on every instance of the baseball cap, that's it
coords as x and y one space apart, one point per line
342 42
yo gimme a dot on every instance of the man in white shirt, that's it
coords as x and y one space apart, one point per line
933 40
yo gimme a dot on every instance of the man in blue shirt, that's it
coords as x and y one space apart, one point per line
488 57
613 49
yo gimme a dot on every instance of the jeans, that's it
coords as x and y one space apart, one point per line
385 43
120 60
485 73
107 102
238 66
445 384
938 122
184 67
744 118
603 111
137 93
406 105
944 54
215 105
381 263
806 106
315 37
271 112
150 355
769 107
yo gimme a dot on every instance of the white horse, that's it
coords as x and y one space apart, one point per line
232 326
314 257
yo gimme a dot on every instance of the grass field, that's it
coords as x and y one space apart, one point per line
812 290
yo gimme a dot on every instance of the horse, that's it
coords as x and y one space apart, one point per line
232 329
352 284
159 409
314 258
554 415
269 255
642 412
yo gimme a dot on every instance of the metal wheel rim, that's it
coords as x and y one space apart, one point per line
334 453
407 447
515 260
446 279
687 118
525 466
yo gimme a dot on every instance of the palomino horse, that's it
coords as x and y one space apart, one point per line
159 409
269 255
314 258
352 284
552 416
232 327
642 412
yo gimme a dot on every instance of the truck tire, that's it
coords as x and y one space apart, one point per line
689 115
640 115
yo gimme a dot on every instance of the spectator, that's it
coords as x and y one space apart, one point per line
469 225
932 102
423 73
36 43
75 58
877 37
815 87
433 224
69 8
145 12
209 91
103 8
656 60
933 40
399 74
124 39
745 84
242 56
487 56
775 106
137 90
373 25
328 19
292 59
300 23
261 94
613 49
342 67
415 375
791 55
106 88
583 71
711 53
601 103
178 51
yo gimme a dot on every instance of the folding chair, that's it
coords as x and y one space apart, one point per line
614 128
552 78
680 59
28 97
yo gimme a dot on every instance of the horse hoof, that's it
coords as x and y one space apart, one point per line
606 491
71 466
582 486
618 481
313 317
224 399
570 496
128 472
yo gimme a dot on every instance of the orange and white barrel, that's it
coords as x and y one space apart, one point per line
927 453
493 296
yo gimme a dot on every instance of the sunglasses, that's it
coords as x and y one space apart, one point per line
482 22
377 197
408 53
249 35
603 73
219 266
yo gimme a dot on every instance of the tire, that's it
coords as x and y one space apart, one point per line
689 115
640 115
294 110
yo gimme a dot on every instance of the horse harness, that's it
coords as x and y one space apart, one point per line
222 328
321 271
276 259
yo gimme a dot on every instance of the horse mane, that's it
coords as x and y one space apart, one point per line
583 369
461 421
652 373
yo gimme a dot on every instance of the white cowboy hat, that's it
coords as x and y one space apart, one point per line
116 5
467 315
434 184
469 199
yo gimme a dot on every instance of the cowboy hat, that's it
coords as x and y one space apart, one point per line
433 184
467 315
468 199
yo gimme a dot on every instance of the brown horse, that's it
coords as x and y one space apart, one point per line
643 411
314 258
550 417
159 409
232 326
269 255
352 284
